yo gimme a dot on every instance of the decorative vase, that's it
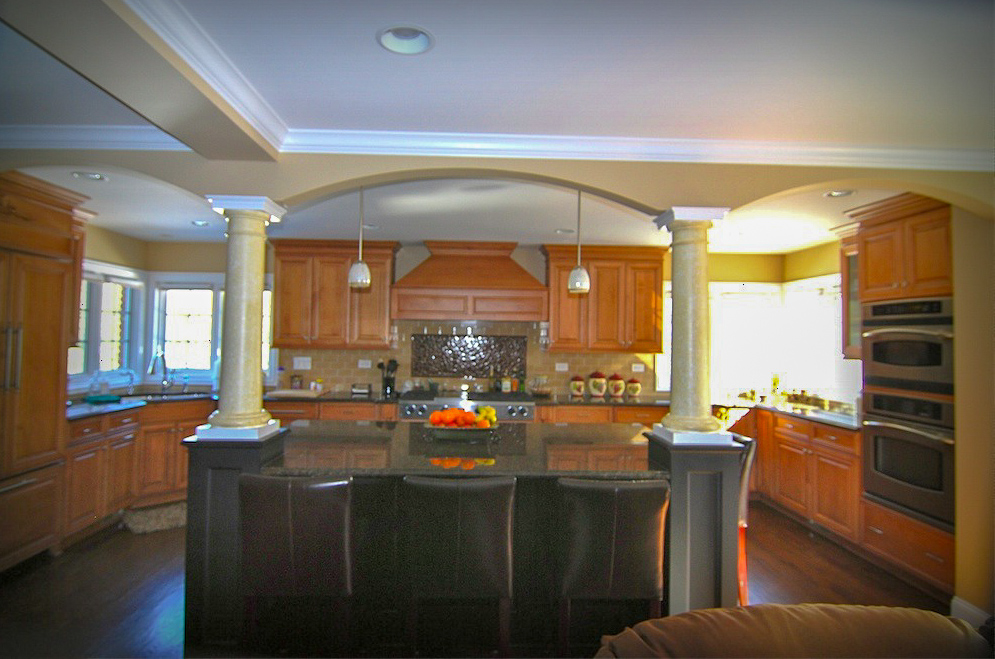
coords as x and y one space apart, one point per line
597 384
616 386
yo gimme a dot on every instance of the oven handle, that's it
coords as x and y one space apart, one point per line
949 336
915 431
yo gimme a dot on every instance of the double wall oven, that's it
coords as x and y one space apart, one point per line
908 409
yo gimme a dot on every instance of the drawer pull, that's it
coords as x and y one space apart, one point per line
832 437
15 486
87 431
124 421
128 436
931 555
875 530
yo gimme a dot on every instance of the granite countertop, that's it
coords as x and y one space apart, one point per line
848 421
318 448
328 397
82 409
661 398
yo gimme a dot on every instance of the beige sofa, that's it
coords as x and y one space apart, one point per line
799 630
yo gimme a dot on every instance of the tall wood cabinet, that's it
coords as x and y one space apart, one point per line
903 248
623 312
313 304
39 259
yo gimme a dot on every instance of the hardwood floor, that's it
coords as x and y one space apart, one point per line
121 595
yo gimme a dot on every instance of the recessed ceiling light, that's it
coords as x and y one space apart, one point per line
199 223
564 232
405 39
90 176
838 193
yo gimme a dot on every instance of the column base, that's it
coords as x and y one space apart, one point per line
250 433
692 423
692 438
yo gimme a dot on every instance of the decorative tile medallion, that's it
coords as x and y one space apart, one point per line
443 355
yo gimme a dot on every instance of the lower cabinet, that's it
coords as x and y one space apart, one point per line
30 504
288 411
100 469
817 473
580 457
601 413
919 548
161 466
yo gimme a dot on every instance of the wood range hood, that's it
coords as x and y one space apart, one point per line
469 281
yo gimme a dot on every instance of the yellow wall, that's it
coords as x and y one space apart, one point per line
974 373
110 247
812 262
767 268
187 257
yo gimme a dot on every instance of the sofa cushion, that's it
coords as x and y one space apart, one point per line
799 630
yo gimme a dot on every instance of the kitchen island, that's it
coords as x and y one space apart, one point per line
378 455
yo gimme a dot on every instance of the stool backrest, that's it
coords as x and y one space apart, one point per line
296 536
458 535
611 538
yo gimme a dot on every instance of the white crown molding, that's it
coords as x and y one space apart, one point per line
626 148
117 138
174 25
149 138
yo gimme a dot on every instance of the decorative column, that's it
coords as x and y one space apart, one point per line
703 460
690 346
240 413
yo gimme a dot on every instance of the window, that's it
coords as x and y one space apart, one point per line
107 336
188 319
186 323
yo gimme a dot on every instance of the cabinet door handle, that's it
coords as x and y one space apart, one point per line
87 431
19 344
931 555
8 356
15 486
875 530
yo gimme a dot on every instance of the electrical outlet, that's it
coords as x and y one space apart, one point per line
364 363
302 363
638 367
562 367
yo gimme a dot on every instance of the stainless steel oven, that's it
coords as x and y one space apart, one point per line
908 344
909 464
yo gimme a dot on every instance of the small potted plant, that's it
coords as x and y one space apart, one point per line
597 384
616 386
632 388
576 386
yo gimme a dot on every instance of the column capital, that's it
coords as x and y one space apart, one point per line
682 216
225 203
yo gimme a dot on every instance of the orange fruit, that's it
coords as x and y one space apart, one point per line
467 463
449 463
483 423
435 418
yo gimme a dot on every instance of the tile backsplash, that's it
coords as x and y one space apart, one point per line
339 369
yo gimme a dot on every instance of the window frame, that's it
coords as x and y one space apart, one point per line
97 272
159 283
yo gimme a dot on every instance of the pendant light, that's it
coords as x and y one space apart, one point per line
359 272
579 281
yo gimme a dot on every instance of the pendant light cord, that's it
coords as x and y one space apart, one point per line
578 227
361 224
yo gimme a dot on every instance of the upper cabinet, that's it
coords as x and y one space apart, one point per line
850 289
313 304
903 248
623 312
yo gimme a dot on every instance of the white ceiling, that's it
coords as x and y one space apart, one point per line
895 83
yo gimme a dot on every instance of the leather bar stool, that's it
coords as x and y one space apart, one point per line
296 543
745 468
610 544
458 544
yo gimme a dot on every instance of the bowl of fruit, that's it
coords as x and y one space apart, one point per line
457 423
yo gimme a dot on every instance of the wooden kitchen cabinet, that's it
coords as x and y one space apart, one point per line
30 505
817 473
921 549
358 411
40 227
86 468
313 304
288 411
850 296
623 312
581 413
903 248
644 414
161 472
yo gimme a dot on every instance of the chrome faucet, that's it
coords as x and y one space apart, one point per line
160 359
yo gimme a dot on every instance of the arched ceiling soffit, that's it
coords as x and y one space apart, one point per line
322 193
